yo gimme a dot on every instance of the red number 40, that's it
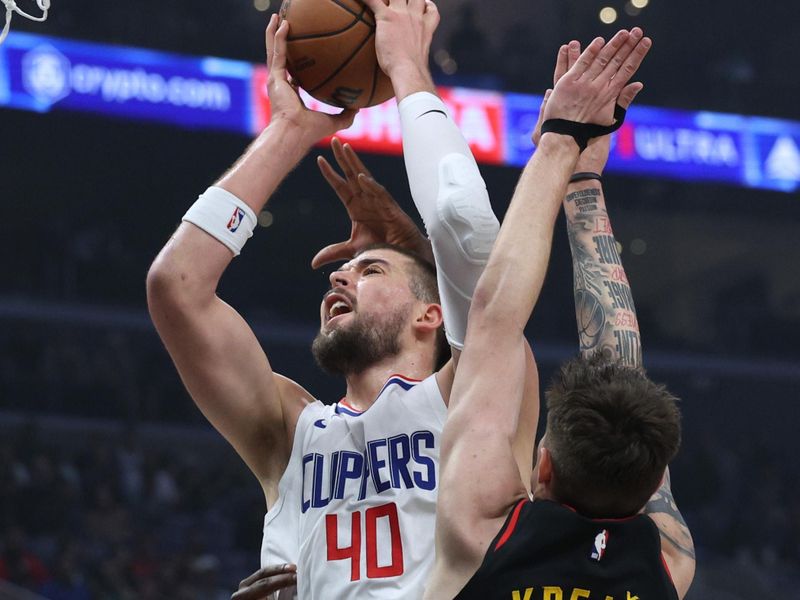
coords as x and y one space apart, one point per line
353 551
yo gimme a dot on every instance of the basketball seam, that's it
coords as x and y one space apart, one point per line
355 14
312 36
346 62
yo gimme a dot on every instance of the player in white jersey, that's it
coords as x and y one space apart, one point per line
350 488
351 477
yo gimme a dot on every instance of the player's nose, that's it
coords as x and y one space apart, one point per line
340 279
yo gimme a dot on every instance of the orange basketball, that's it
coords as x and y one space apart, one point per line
331 52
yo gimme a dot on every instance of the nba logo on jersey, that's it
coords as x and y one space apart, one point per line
600 541
236 220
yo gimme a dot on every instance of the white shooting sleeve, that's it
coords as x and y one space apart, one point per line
452 200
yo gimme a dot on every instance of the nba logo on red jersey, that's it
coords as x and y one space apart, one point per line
600 541
236 220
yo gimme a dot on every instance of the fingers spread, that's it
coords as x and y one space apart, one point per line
632 63
605 57
332 253
562 64
588 56
341 159
628 94
338 184
354 161
369 185
614 65
573 54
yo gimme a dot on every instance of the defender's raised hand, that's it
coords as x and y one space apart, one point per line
597 78
284 100
594 158
374 214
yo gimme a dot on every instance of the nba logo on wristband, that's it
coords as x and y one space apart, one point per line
236 220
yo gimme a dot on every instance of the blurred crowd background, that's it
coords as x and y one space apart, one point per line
113 486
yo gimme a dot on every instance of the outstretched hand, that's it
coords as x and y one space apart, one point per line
285 102
375 215
589 84
594 158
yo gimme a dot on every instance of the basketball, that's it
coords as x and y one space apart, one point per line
331 52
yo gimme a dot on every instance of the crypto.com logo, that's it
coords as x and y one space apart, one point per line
46 74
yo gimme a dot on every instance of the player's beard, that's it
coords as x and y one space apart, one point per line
363 343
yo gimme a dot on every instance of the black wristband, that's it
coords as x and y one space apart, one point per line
583 132
585 176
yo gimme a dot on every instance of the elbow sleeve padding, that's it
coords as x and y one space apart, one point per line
464 209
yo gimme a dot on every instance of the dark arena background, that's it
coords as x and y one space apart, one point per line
112 484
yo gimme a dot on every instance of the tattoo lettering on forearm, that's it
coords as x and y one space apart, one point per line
664 511
618 274
625 318
603 302
606 247
620 294
602 225
585 200
628 348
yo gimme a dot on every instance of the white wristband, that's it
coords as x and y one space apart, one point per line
223 216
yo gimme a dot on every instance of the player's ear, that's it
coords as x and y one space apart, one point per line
429 317
545 463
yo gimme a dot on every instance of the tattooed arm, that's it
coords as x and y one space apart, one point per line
603 302
676 540
607 323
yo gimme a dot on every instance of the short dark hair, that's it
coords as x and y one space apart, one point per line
423 285
611 432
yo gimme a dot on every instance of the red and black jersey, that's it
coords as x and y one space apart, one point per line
547 551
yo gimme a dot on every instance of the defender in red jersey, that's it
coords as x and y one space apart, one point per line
602 523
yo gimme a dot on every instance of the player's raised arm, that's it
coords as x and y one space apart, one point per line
480 481
605 310
446 186
445 182
217 355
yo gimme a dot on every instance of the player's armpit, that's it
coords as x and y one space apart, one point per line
525 436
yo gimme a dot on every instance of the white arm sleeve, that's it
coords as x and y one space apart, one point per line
452 200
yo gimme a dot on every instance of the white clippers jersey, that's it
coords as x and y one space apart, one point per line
357 502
